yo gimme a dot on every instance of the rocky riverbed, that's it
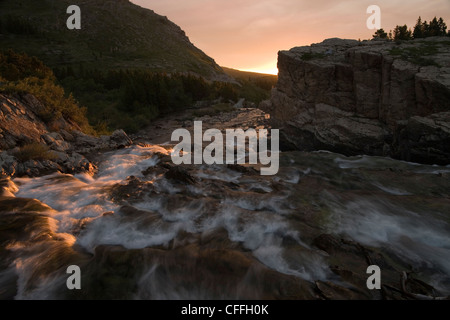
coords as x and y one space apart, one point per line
143 228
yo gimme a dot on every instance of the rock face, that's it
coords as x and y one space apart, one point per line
372 97
19 123
68 147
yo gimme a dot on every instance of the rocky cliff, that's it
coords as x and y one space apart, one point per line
31 147
372 97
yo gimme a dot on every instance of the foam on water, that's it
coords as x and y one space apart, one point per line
418 239
259 222
393 191
262 232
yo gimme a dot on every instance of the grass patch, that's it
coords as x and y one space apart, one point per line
34 151
418 55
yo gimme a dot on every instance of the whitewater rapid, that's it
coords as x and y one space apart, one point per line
256 216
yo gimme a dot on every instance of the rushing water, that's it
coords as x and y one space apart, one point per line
403 209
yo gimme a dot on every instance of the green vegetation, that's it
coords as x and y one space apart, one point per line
253 87
124 99
214 110
436 27
402 33
130 100
20 73
34 151
127 65
380 34
418 55
114 35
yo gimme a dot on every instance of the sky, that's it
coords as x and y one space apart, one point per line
247 34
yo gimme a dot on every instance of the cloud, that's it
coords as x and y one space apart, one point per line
249 33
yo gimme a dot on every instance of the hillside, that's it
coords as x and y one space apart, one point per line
114 34
247 75
254 87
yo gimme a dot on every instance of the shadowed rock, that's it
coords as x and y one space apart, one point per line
371 97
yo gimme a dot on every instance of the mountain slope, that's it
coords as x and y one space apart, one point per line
114 34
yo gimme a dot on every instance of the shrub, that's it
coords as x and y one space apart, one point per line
34 151
24 74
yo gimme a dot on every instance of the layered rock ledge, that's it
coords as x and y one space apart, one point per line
372 97
67 149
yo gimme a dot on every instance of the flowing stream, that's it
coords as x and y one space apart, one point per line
138 234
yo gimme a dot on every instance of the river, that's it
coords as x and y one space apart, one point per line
226 232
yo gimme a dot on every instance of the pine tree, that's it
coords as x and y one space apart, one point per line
402 33
380 34
390 37
442 27
434 29
418 29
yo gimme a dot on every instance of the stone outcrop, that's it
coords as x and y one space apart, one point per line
373 97
69 148
19 121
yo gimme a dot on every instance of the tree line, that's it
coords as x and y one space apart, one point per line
112 99
131 99
422 29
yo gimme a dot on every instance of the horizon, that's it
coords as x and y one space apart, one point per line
248 37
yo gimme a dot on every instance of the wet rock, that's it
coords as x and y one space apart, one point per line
330 244
85 144
426 139
186 272
218 239
331 291
350 260
119 139
145 217
76 163
133 190
34 168
179 174
7 187
8 164
243 169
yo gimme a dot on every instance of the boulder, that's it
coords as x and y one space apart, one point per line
8 164
78 163
119 139
179 174
85 144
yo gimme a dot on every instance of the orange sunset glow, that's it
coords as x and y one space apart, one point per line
247 35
